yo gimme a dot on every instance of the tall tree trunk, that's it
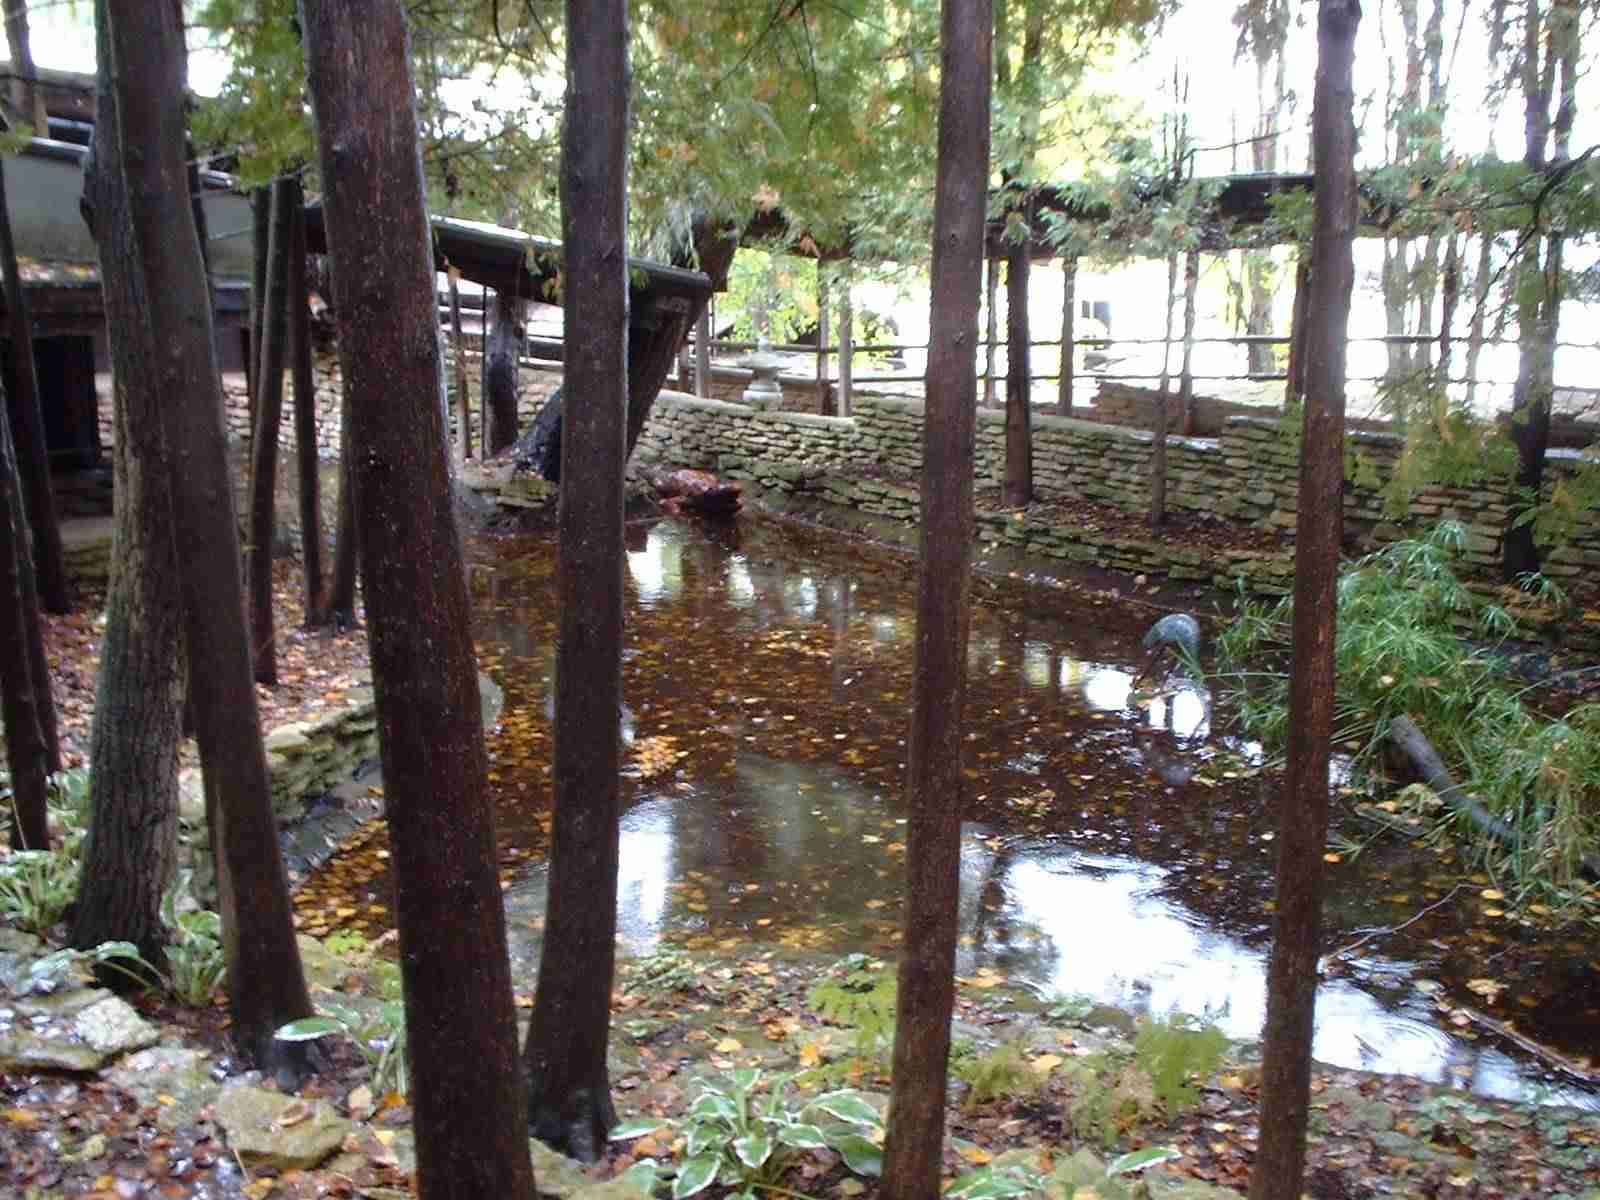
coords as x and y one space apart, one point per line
26 756
913 1149
27 97
1191 283
260 239
463 393
266 987
702 354
308 458
1480 301
264 438
1269 33
27 422
847 343
991 327
131 849
501 347
825 404
1303 804
1158 449
565 1057
1294 390
1069 342
470 1118
340 605
1019 381
1449 300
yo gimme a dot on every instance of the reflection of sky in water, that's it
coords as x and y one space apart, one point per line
1060 921
1110 689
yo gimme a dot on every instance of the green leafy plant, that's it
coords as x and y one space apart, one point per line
857 992
196 961
1067 1009
1174 1050
36 887
996 1182
992 1074
378 1029
746 1141
662 970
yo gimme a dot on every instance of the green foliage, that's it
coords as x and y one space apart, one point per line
347 943
1413 640
36 888
996 1182
1174 1050
1446 445
662 970
196 961
735 1137
378 1029
859 993
1067 1009
1106 1096
992 1074
260 112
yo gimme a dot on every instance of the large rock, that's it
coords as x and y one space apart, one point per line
112 1027
175 1081
24 1050
270 1129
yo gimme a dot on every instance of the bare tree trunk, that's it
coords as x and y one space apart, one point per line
27 97
266 987
1069 344
702 354
501 347
1449 299
1158 449
847 341
308 459
565 1057
825 404
1295 386
463 393
1480 301
913 1149
28 435
1303 809
260 245
1191 283
1018 490
132 846
340 605
470 1118
991 328
27 758
264 439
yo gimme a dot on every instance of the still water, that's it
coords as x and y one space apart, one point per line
1112 846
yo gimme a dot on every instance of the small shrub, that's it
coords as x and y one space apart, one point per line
36 888
994 1074
1173 1051
859 994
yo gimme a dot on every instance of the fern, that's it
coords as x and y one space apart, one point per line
1173 1051
860 995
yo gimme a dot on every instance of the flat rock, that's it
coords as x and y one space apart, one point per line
60 1004
24 1050
269 1129
112 1027
173 1080
557 1177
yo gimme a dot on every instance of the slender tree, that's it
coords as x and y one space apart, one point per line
934 783
27 97
266 987
26 756
569 1086
1069 307
468 1095
28 436
308 461
501 349
1303 803
264 433
459 344
129 855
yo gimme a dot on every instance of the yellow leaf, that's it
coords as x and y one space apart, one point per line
1492 894
1046 1063
22 1116
810 1054
729 1046
976 1155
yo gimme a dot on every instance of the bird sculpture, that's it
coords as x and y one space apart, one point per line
1178 633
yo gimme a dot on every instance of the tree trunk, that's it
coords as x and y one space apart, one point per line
1267 45
1294 388
1449 299
500 351
308 458
1191 283
264 438
340 606
1069 342
847 344
1480 301
463 392
27 97
28 435
913 1149
1019 381
261 236
266 987
132 846
991 326
702 354
1303 805
825 404
569 1087
27 758
469 1105
1158 448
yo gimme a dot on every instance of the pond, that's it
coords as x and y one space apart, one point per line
1111 847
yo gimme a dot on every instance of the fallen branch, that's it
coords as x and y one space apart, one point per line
1577 1068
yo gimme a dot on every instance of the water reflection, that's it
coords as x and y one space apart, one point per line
781 667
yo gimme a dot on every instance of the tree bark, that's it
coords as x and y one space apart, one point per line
28 436
1019 381
1158 449
131 849
913 1149
340 605
469 1104
27 97
308 458
26 756
991 326
847 342
1191 284
1294 388
1449 299
825 403
264 438
260 238
702 354
569 1087
500 351
1069 342
266 987
1303 804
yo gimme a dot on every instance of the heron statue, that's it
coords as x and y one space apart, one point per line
1175 633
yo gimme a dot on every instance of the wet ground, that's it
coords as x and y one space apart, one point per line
1113 846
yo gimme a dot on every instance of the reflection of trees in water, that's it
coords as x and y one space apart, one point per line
1017 947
